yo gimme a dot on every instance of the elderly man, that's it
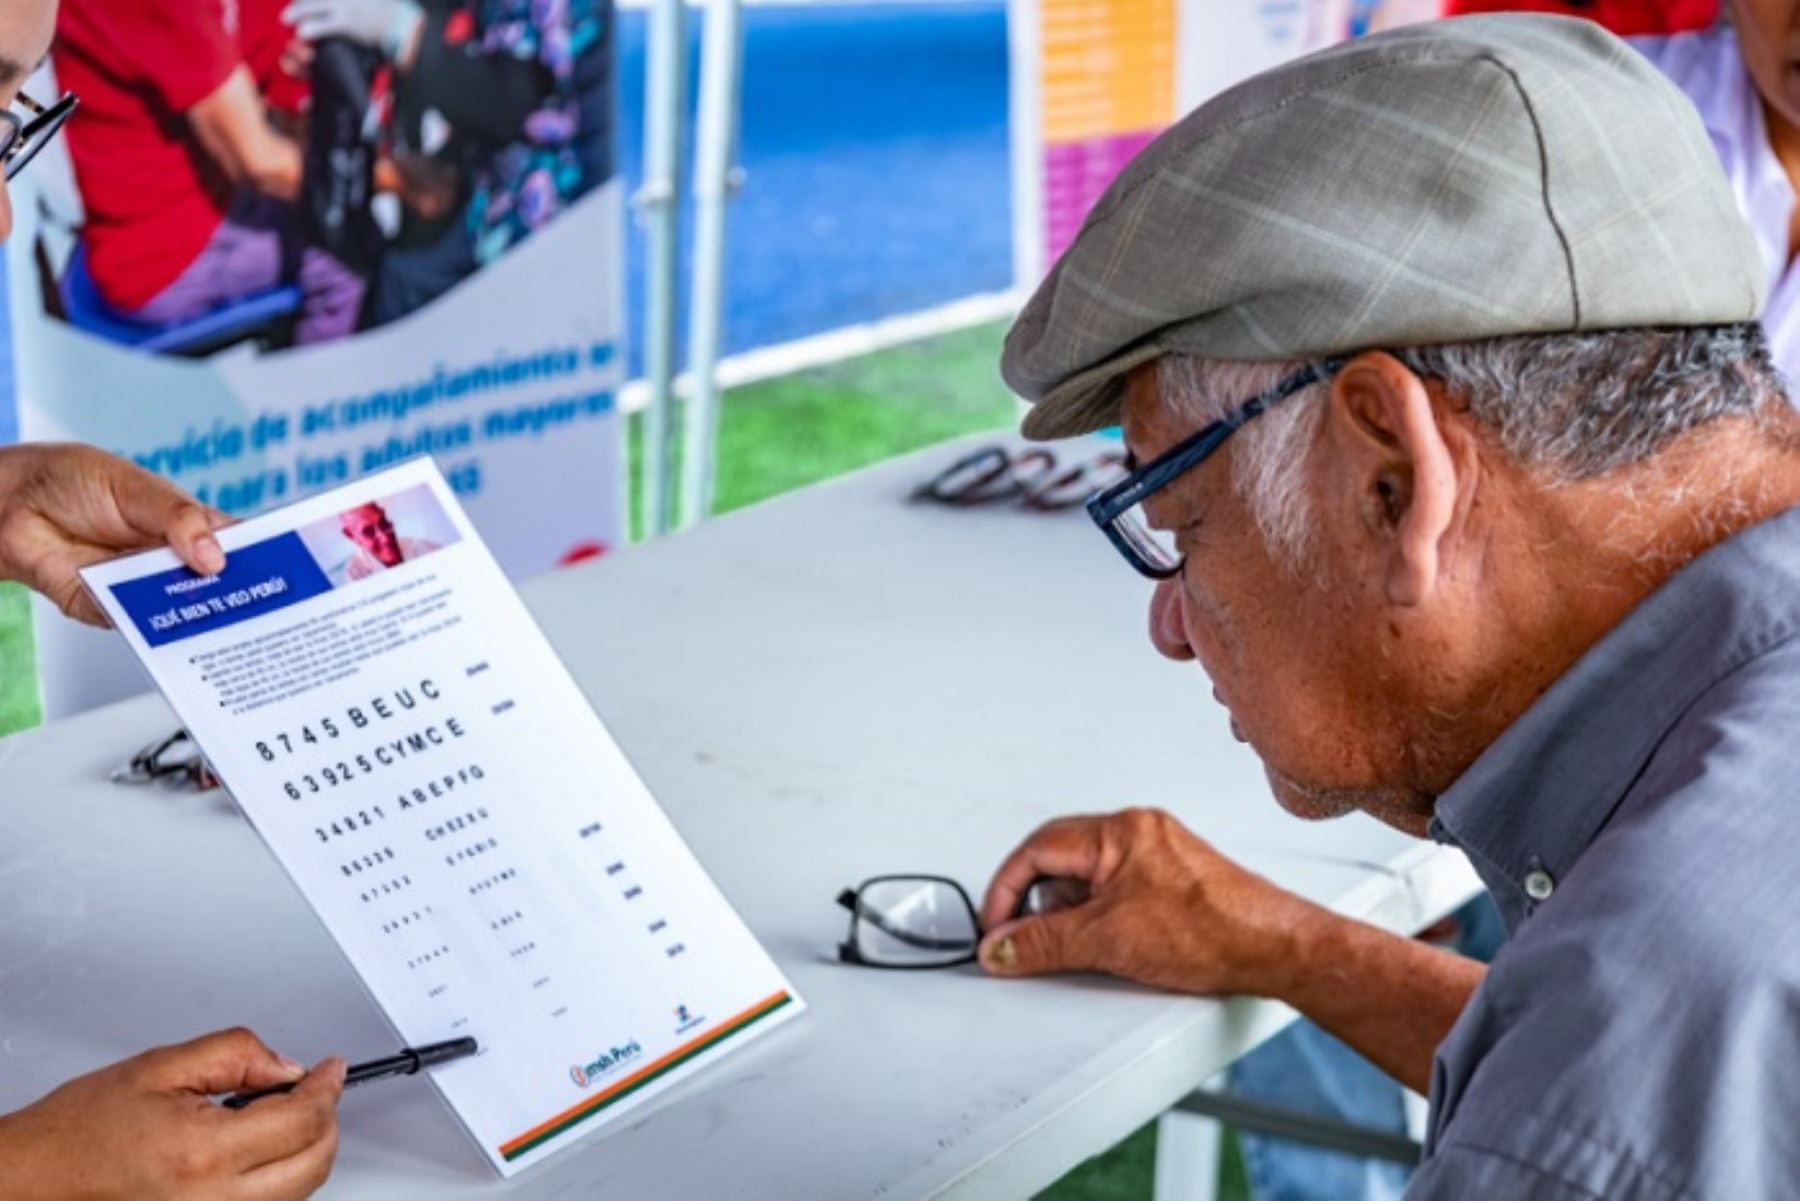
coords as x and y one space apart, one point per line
1462 471
378 546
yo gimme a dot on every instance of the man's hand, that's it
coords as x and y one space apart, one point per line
1164 908
1168 910
144 1129
63 507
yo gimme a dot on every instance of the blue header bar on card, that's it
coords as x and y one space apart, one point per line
258 579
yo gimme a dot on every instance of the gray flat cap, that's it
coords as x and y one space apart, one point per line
1445 182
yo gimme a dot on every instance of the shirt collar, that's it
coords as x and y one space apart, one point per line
1534 800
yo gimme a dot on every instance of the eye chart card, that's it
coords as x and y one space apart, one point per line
384 709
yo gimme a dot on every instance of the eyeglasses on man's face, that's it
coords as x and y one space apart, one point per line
22 135
1119 510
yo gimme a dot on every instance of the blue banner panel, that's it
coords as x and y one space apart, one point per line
261 578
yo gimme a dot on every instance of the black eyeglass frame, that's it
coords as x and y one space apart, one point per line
849 952
21 140
1110 504
162 763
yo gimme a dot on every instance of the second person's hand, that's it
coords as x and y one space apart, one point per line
64 507
145 1129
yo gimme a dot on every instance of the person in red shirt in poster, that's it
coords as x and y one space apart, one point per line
189 187
1623 17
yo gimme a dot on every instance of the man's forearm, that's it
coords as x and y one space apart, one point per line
233 128
1392 999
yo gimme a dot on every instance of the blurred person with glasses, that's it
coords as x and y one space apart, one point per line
143 1128
1461 467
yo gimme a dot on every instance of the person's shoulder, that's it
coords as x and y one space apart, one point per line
1693 61
1632 1039
1692 862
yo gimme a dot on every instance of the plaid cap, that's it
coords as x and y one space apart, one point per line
1446 182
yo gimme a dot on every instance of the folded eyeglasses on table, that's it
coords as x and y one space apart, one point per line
1033 477
929 921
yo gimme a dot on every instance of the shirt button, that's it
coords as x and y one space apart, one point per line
1539 884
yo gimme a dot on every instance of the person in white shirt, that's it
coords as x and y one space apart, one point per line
1743 74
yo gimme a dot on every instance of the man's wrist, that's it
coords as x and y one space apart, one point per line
23 1172
1293 935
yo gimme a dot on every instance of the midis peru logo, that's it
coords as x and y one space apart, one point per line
604 1063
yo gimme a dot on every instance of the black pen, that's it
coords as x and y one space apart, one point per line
406 1063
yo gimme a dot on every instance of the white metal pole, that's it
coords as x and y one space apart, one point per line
721 60
659 205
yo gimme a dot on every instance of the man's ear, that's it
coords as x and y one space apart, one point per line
1397 467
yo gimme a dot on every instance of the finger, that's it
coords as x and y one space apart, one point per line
56 574
224 1062
160 511
1069 846
273 1129
191 536
299 1175
79 605
1033 946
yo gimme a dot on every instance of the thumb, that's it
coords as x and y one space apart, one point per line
160 511
227 1061
1033 946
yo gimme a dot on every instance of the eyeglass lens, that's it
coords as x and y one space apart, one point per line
1155 546
914 923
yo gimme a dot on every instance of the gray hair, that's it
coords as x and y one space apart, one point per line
1569 407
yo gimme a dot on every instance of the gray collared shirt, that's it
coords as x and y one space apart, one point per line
1639 826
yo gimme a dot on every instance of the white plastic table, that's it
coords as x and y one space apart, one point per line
833 685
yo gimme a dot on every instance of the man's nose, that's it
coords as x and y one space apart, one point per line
1167 631
5 211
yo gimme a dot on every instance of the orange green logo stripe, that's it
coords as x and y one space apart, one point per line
648 1074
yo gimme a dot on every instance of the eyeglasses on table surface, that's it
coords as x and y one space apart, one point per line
911 922
1034 477
173 762
22 136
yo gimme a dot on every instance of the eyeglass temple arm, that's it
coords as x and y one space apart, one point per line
1153 476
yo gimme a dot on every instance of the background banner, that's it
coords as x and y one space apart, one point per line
1094 82
477 319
